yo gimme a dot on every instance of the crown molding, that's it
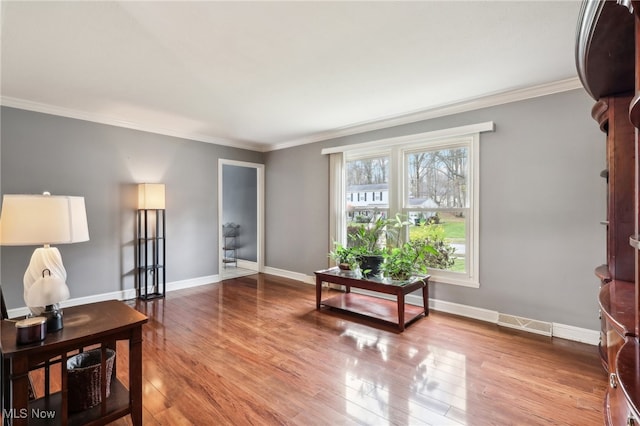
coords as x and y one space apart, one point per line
396 120
452 132
440 111
111 121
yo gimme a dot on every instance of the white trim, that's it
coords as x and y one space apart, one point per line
489 100
193 282
452 132
260 253
562 331
454 278
473 268
247 264
123 294
337 200
396 148
569 332
111 121
486 315
307 279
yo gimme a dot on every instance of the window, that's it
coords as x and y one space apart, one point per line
437 202
432 181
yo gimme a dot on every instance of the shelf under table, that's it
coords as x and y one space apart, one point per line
378 308
42 409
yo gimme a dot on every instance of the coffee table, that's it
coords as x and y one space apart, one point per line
397 313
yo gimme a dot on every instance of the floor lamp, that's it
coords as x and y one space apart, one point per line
151 245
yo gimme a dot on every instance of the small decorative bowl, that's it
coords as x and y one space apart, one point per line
30 330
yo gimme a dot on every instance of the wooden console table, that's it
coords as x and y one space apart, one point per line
101 323
373 306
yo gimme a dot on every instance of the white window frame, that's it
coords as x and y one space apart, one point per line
470 277
396 148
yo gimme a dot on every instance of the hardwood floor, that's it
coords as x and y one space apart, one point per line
254 350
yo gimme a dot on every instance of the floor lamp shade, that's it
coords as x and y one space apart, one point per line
151 196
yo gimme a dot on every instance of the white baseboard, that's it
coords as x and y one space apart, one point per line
307 279
121 295
569 332
563 331
193 282
116 295
474 312
247 264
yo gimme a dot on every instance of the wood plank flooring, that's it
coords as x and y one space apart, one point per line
254 350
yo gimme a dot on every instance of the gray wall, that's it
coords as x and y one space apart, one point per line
541 200
541 203
104 163
240 206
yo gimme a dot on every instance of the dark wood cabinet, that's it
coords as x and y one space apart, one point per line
620 185
607 62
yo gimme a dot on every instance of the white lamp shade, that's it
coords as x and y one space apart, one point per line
150 196
42 219
47 290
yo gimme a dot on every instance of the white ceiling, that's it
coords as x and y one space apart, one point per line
265 75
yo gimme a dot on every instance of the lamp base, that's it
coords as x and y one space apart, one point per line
54 318
42 259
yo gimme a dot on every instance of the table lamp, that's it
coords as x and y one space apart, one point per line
44 220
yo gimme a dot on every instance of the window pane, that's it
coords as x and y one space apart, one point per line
437 178
362 217
444 231
367 191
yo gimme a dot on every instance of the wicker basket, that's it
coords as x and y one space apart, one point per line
83 372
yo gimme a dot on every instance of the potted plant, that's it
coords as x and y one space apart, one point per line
407 260
345 257
368 245
377 247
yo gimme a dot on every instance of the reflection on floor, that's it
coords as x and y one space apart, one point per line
254 350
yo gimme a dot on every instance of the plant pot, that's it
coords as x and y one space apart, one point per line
344 266
370 264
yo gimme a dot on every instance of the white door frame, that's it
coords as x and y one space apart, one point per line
258 266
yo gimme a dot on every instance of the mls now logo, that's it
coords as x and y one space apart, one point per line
24 413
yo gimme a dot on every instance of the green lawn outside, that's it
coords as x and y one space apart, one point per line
454 230
460 265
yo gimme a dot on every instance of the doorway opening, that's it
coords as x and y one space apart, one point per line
240 218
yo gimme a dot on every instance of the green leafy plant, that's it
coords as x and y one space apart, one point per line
368 237
383 238
407 260
444 255
345 257
395 230
368 243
